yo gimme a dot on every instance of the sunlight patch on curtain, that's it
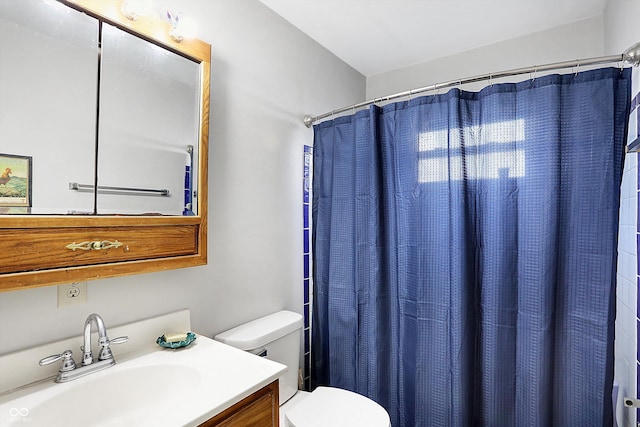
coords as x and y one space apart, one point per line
436 165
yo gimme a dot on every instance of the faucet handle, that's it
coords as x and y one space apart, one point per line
105 353
68 364
119 340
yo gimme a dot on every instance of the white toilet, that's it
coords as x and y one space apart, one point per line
277 337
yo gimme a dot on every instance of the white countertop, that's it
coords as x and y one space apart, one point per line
149 387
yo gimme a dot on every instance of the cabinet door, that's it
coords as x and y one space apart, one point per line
258 410
48 101
58 248
149 109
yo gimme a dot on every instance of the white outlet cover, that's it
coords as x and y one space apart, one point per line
79 288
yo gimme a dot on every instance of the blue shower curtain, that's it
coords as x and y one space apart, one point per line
465 252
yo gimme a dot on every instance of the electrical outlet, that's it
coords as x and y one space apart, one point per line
72 294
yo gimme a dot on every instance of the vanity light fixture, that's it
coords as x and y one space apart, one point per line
133 9
129 10
181 27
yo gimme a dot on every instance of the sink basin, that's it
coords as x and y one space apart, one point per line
121 398
148 387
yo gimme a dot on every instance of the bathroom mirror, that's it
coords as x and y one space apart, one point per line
149 109
105 102
48 68
92 98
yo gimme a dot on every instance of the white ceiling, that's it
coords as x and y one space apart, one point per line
376 36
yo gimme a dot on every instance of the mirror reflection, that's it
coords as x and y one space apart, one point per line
149 108
47 105
86 117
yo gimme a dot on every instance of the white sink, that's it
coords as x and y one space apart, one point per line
154 387
125 396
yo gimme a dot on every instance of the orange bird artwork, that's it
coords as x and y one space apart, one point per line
6 176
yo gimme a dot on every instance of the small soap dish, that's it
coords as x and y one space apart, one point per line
162 342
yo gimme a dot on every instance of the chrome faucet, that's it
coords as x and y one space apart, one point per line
69 370
103 340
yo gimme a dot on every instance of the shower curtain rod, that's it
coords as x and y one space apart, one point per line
630 56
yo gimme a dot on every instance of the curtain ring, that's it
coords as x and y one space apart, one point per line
490 80
577 69
535 73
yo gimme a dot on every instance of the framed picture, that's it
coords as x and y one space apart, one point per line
15 180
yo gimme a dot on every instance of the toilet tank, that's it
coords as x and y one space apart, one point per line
276 337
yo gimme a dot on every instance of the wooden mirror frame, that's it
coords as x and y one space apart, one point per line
37 248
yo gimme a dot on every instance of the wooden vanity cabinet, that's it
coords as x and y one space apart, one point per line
46 251
261 409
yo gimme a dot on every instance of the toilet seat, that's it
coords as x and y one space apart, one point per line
329 406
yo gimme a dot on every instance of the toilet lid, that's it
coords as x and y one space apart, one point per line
329 406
